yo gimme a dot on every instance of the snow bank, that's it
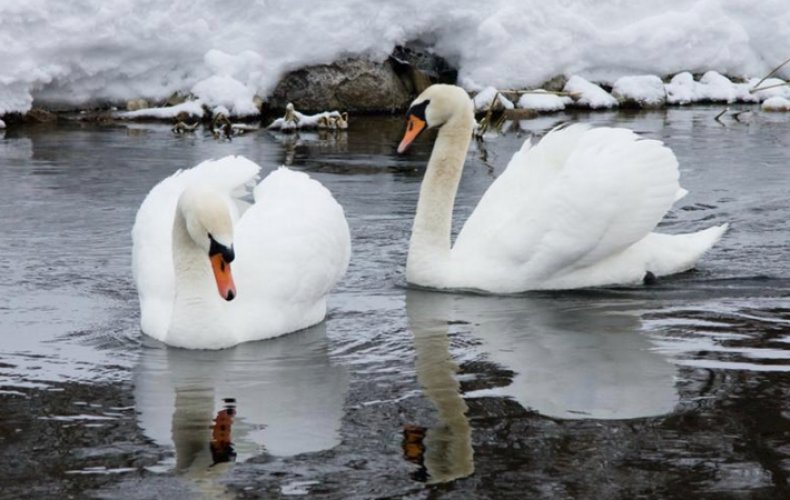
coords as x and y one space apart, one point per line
776 104
2 124
93 50
589 94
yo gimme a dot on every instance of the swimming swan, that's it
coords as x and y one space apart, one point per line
287 250
575 210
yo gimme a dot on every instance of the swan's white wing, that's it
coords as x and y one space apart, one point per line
292 245
575 198
152 255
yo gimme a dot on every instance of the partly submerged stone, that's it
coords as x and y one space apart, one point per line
588 95
542 101
643 91
776 104
483 100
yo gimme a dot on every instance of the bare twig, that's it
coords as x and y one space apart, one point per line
737 115
541 91
769 75
757 89
720 115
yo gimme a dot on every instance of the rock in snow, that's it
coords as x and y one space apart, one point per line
645 91
776 104
542 101
485 97
588 94
350 85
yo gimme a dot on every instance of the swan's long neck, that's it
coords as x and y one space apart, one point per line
195 305
429 248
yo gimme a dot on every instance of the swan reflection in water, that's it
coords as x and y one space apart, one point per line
571 358
281 396
444 452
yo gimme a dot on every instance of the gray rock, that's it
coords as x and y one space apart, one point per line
419 67
355 85
556 84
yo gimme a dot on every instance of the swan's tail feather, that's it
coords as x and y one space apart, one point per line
680 252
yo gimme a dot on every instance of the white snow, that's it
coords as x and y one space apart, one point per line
774 87
2 124
646 90
542 101
193 108
226 91
776 104
682 89
485 97
712 86
333 119
76 53
588 94
718 88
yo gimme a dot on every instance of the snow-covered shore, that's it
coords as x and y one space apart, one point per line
225 54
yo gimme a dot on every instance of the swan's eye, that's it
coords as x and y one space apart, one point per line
217 248
418 110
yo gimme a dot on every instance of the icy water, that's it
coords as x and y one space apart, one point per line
678 389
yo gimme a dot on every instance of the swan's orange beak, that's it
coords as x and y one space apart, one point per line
413 128
225 285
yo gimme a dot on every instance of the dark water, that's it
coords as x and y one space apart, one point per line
679 389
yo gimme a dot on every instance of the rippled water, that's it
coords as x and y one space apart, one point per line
674 389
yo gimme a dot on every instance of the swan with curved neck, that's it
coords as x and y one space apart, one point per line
575 210
188 234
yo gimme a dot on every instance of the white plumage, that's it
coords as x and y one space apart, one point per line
575 210
291 246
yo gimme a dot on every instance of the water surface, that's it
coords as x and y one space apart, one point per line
675 389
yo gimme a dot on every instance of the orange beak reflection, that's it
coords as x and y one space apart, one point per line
413 129
225 285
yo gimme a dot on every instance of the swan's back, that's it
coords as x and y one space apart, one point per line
152 252
303 234
578 197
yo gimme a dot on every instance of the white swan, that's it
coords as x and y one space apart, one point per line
288 250
575 210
